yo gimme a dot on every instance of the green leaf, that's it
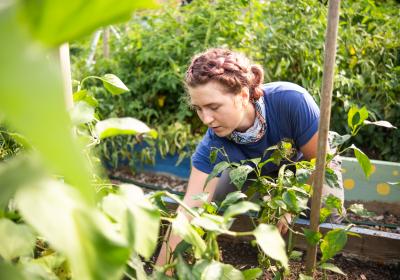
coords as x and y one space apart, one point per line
359 210
294 202
332 243
271 242
141 214
363 160
231 198
305 277
296 255
84 95
324 214
380 123
331 178
17 173
338 139
8 271
122 126
16 240
252 273
201 197
302 175
333 202
332 267
183 270
113 84
82 113
312 237
213 155
240 208
32 101
93 247
207 224
218 168
220 271
56 22
182 228
356 117
239 175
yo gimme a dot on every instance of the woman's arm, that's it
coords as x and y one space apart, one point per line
196 183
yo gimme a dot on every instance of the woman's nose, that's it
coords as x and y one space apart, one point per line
207 118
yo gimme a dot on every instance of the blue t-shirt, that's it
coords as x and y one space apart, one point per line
291 114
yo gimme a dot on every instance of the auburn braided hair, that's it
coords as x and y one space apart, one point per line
231 69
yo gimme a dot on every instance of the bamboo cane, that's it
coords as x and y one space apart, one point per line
66 73
325 108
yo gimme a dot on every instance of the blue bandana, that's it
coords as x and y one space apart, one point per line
257 131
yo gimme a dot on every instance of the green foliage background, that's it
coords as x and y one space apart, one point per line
285 37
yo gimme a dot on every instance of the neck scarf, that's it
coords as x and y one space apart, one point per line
257 131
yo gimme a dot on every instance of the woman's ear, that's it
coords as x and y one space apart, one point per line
245 96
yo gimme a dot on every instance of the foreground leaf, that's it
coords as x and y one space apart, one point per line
122 126
93 247
239 175
181 227
16 240
55 21
240 208
272 244
220 271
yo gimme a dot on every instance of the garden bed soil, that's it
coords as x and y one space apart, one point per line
243 255
386 221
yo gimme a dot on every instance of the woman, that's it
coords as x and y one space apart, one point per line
244 117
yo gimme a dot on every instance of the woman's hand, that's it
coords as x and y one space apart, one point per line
283 223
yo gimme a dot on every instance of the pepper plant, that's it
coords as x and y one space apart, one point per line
267 200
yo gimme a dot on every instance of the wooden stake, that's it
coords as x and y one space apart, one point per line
66 73
325 108
106 45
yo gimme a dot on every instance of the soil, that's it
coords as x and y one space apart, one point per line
243 255
386 222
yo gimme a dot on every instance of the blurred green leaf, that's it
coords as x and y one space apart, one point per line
271 242
332 243
113 84
331 267
134 212
380 123
183 270
17 240
32 99
182 228
17 173
84 95
55 22
94 249
122 126
252 273
11 272
359 210
219 271
82 113
312 237
231 198
240 208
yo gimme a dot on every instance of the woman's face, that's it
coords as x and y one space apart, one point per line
221 111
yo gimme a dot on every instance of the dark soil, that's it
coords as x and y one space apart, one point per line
243 255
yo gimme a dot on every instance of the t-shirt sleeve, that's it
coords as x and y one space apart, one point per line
201 157
304 117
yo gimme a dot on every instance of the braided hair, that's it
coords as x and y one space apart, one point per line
232 70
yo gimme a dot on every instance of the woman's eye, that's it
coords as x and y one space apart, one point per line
214 108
